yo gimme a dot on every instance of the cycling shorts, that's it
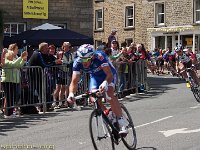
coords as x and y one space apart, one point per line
95 82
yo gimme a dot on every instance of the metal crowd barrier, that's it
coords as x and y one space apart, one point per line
24 87
37 85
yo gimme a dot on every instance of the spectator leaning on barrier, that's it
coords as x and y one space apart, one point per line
40 58
122 63
11 78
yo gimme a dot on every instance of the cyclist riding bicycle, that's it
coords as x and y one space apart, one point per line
183 61
102 76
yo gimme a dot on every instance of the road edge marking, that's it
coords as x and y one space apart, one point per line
154 121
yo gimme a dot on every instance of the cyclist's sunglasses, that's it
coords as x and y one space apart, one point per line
84 60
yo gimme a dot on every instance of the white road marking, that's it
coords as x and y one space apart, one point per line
176 131
197 106
154 121
82 143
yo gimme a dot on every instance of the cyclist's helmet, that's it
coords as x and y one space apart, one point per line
85 50
178 48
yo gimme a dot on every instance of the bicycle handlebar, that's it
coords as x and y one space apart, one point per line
95 94
188 69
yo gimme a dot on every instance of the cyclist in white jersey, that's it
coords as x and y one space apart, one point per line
183 61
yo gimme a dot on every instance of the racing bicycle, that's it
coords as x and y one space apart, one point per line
104 132
193 86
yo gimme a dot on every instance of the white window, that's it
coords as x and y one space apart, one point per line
129 16
99 19
197 11
63 26
159 14
11 29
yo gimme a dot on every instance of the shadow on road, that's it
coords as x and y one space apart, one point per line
157 86
25 121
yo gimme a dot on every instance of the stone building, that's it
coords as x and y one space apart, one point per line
156 23
173 22
124 16
75 15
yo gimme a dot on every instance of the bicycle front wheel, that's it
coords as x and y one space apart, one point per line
129 140
100 132
196 93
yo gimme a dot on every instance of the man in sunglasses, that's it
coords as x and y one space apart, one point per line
102 76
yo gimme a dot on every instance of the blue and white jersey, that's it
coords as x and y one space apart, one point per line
95 70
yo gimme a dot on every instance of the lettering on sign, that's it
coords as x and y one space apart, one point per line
37 9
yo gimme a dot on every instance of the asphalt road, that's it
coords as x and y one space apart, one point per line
166 118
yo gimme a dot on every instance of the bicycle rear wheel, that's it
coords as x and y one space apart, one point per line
129 140
196 93
100 132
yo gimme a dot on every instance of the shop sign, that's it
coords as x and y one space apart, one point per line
37 9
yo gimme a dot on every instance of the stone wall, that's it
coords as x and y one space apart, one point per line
178 13
75 13
79 16
114 12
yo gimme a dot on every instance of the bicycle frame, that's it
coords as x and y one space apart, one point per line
191 80
100 112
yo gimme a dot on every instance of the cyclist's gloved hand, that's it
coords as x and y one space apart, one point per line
71 98
103 86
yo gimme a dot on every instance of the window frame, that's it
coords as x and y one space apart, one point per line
10 33
97 1
97 44
195 10
97 20
157 13
127 18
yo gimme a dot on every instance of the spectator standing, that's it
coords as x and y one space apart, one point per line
112 37
11 79
122 62
65 73
59 55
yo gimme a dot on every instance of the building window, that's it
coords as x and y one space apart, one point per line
128 41
197 11
159 14
63 26
99 19
97 43
99 1
11 29
129 16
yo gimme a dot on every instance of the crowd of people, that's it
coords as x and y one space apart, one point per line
166 61
62 61
57 65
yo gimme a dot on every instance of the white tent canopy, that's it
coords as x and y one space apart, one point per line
46 26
